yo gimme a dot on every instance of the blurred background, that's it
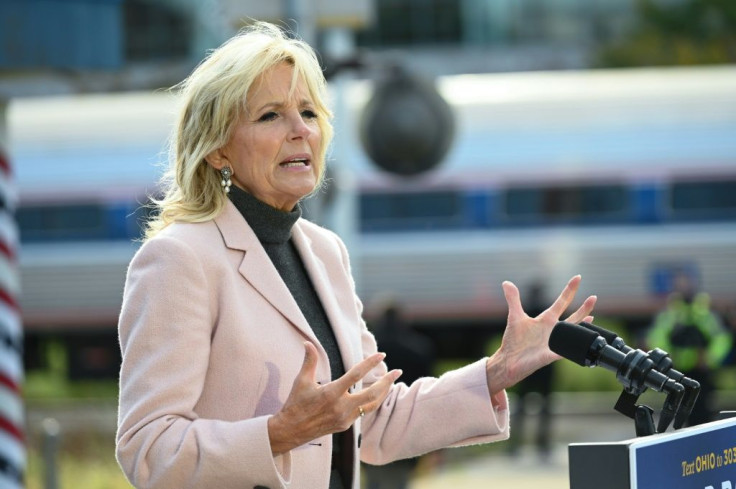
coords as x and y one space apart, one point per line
476 141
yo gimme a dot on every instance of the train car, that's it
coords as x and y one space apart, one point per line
623 176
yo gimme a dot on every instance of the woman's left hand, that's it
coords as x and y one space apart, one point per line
524 346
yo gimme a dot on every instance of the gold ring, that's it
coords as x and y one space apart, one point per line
360 410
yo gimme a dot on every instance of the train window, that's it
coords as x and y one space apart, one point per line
424 210
161 31
67 222
703 198
569 203
400 22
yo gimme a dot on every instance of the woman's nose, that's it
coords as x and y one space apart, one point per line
299 127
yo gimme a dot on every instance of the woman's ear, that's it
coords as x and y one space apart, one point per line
217 159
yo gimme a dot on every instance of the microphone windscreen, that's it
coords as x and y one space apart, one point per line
609 336
572 341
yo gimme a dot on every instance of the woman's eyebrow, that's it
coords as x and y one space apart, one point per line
305 102
269 105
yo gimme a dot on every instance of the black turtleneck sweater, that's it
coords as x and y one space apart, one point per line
273 229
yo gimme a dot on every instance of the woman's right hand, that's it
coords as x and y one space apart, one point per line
313 410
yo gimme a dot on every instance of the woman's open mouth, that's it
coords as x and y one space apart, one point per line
295 162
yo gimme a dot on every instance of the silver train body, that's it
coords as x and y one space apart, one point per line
624 177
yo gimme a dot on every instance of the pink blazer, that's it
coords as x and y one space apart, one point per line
212 340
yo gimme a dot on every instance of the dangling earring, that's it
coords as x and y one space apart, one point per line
226 173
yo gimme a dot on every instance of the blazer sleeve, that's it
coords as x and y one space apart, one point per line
165 328
453 410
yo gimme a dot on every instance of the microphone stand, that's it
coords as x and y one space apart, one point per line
663 363
682 392
643 415
590 346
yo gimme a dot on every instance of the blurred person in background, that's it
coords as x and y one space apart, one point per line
245 358
414 354
695 338
730 321
535 390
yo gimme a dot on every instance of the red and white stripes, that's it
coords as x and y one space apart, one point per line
12 437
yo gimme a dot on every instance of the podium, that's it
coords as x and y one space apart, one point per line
698 457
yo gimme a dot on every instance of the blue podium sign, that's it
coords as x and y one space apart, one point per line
699 457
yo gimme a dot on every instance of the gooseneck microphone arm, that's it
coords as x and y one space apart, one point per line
585 347
633 369
662 363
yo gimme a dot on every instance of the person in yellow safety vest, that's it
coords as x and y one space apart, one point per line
695 338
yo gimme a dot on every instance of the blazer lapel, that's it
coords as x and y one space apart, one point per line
257 267
323 285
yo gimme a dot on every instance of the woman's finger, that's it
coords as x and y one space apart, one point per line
566 297
513 299
357 372
583 312
371 398
309 366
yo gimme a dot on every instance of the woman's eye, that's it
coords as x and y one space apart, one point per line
309 114
268 116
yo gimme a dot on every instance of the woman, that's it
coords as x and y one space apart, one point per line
245 359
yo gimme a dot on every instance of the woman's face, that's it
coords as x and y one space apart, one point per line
274 145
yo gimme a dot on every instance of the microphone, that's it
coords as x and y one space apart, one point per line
662 363
611 338
634 369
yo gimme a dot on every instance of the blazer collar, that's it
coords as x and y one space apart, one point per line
257 268
322 283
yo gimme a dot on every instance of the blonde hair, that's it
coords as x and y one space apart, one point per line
212 99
